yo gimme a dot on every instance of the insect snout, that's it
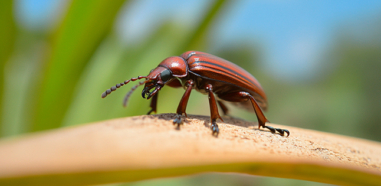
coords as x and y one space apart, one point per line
150 89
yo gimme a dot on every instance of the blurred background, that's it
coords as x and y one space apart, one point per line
319 62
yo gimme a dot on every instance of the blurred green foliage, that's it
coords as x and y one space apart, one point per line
85 25
7 40
51 79
215 179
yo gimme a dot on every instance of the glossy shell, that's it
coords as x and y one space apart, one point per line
230 76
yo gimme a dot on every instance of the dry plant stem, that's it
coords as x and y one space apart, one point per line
145 147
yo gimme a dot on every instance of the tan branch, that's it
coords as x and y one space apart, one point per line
145 147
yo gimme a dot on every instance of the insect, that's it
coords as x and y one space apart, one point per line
220 79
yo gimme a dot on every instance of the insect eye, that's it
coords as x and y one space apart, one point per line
165 75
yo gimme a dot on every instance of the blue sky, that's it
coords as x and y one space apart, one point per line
294 33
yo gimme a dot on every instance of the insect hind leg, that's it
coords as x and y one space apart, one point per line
244 96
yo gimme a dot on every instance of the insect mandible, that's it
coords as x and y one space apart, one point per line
220 79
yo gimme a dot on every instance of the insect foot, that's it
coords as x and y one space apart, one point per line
281 131
178 121
215 129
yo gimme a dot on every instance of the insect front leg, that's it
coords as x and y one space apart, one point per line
183 104
214 115
153 104
244 96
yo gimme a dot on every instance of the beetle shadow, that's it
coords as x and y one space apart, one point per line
206 120
207 124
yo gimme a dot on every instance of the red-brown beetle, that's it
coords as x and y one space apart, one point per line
207 74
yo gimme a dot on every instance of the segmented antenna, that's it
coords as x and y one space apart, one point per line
113 88
131 91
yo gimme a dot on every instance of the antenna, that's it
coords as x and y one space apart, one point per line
113 88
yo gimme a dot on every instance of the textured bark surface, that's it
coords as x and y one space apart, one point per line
144 147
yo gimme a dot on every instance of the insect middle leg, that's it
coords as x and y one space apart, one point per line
244 96
224 108
183 104
214 115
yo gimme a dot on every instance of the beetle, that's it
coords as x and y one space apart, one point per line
221 80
